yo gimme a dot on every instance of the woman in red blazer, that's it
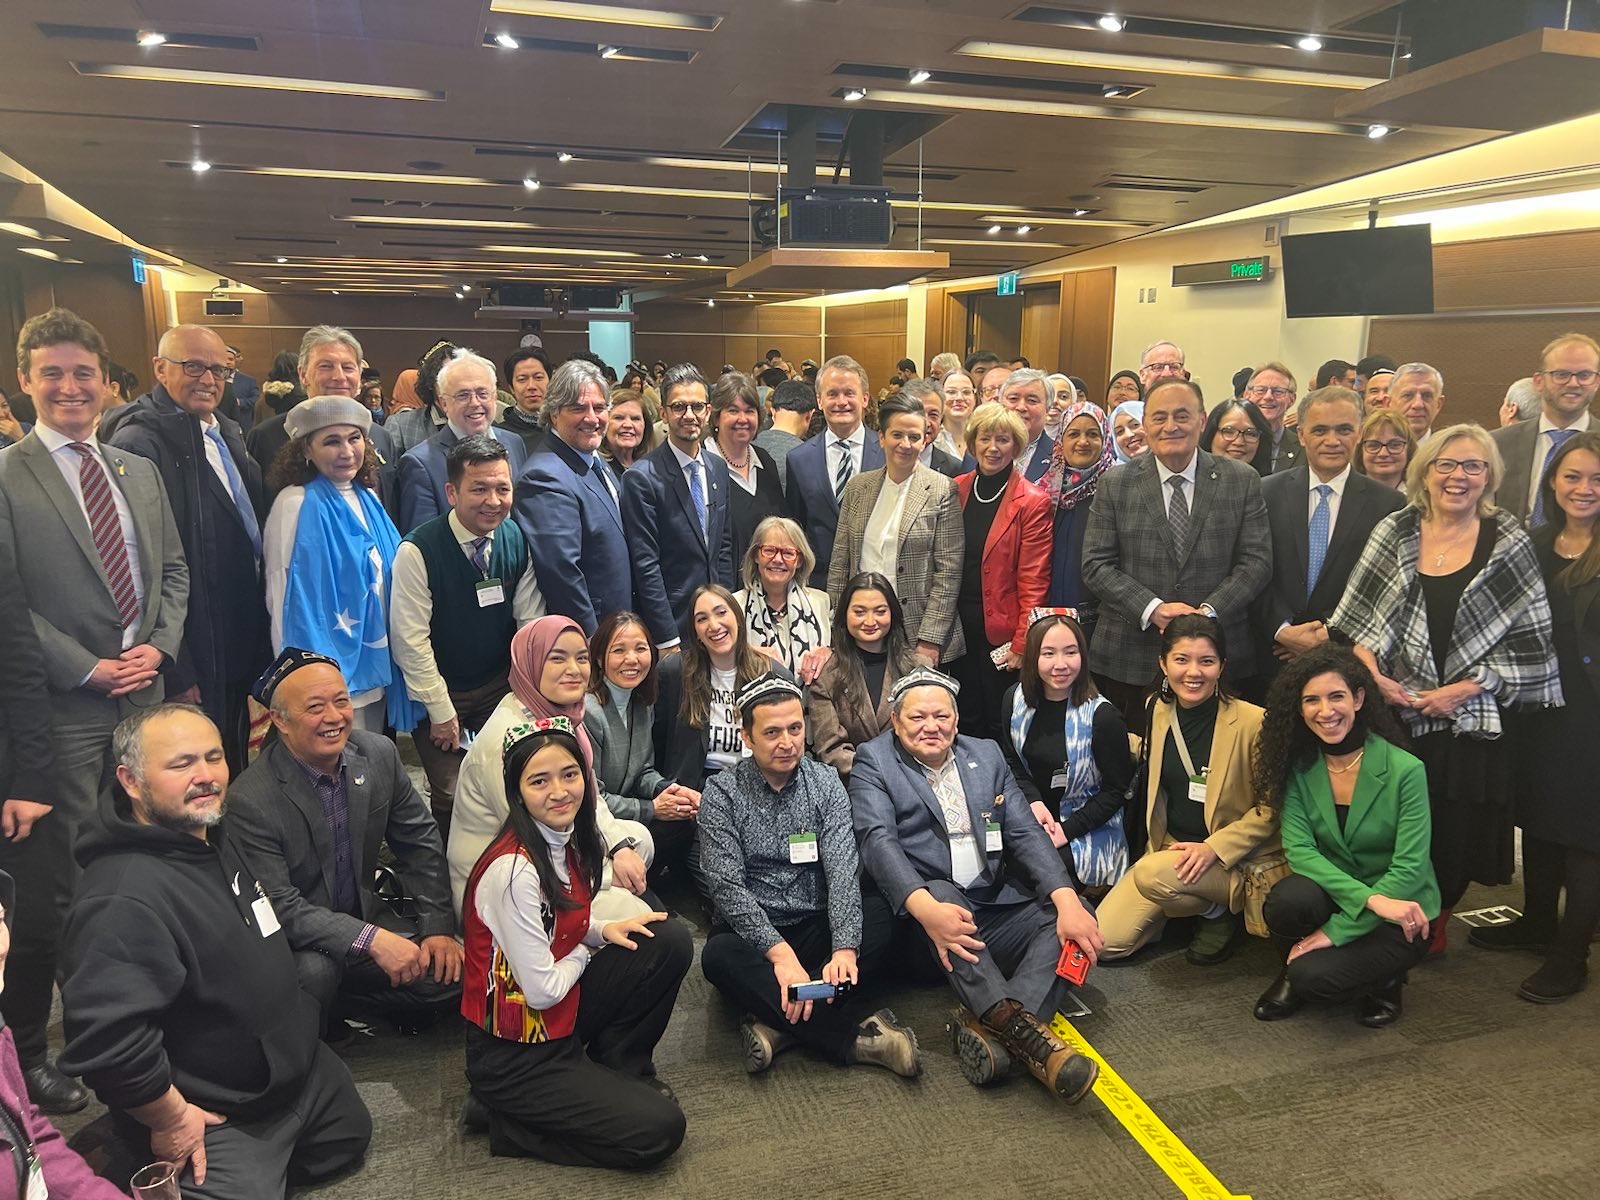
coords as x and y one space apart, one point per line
1005 569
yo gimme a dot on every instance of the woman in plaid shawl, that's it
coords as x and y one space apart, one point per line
1448 610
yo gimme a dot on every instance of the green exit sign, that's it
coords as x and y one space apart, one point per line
1226 270
1006 285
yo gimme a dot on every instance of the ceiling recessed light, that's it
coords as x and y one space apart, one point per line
1311 43
1080 212
1119 63
610 51
993 229
564 156
608 14
39 252
703 257
1024 230
506 42
27 231
335 291
282 259
199 166
1116 91
920 76
749 295
711 303
1378 131
854 94
149 37
531 184
273 83
1111 23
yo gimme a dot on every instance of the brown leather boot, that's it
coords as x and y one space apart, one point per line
978 1050
1054 1063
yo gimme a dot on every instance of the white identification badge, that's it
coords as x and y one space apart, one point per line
1059 779
266 919
802 847
36 1186
490 593
991 837
1197 788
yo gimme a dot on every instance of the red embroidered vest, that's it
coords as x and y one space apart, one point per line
490 996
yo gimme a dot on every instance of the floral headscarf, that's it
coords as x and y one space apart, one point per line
1136 409
1067 486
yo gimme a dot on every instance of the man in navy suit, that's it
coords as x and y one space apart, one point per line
1322 514
1027 393
675 509
948 837
466 389
819 469
569 506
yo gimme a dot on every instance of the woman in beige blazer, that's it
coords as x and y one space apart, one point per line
1201 813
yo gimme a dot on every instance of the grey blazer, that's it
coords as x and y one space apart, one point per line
275 816
1129 559
65 584
1516 443
624 757
903 839
838 728
928 561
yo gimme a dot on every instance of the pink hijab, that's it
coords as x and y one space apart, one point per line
530 648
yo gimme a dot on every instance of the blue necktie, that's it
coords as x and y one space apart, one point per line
697 493
1317 543
1557 436
480 560
241 498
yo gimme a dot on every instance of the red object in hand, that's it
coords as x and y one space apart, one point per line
1073 965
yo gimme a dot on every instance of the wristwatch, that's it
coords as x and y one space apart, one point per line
1209 611
627 843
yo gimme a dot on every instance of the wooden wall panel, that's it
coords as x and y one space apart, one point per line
740 334
1086 329
106 297
1548 270
873 333
1041 324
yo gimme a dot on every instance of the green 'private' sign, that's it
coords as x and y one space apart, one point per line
1226 270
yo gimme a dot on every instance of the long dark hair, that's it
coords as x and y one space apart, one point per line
1286 744
585 832
844 668
1587 565
292 465
1262 462
1082 689
748 662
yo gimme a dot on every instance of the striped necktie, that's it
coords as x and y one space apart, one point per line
846 467
106 530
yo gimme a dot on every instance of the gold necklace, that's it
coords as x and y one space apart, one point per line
1349 766
1578 553
1438 559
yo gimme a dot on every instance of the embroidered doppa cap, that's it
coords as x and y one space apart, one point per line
526 729
768 687
1035 615
285 665
321 411
922 677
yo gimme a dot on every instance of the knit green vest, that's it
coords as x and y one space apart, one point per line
471 645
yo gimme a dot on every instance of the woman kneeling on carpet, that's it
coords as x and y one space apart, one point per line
1353 811
564 1011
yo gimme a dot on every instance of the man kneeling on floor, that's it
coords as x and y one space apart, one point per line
947 835
182 1008
781 864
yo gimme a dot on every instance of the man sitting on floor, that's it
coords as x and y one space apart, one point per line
780 860
945 832
182 1010
312 812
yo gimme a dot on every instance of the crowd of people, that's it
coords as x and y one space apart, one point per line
958 681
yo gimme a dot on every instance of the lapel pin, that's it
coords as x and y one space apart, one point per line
360 780
998 801
1213 475
121 470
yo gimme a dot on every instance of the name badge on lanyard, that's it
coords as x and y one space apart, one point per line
1197 788
490 593
261 909
991 837
36 1186
802 847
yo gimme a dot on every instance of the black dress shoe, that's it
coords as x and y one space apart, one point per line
1381 1006
53 1092
1521 934
1561 976
1278 1001
662 1086
474 1115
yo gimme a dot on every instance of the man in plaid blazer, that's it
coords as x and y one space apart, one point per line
1155 548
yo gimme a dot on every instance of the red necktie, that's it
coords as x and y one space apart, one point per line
107 532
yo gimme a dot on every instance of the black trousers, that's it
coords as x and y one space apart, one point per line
983 685
361 989
742 973
1548 868
1129 699
582 1100
235 725
1018 961
1297 907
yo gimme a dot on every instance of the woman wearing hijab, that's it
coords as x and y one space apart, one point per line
328 548
1127 431
404 396
1083 453
549 678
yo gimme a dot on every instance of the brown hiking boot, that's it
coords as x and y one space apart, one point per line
1054 1063
983 1060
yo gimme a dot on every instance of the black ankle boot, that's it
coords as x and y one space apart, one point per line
1279 1000
1524 933
1560 977
1381 1006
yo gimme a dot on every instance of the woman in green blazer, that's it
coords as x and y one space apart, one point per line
1354 818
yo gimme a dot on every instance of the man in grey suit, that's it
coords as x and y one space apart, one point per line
104 579
1567 378
1174 531
950 841
1271 389
311 813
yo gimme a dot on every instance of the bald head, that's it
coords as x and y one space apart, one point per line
184 350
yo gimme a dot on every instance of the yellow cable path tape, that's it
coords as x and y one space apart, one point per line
1159 1142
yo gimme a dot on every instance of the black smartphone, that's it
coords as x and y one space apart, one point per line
815 989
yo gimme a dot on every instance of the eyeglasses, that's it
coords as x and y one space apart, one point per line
1472 467
1277 393
1248 434
194 368
1565 377
1164 368
1374 446
481 395
681 408
783 554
